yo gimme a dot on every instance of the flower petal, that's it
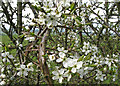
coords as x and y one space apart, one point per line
55 73
79 64
73 70
69 77
62 55
60 79
55 77
59 60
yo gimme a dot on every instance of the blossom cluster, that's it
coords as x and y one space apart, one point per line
13 67
23 70
54 13
83 65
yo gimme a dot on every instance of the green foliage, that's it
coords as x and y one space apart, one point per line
72 7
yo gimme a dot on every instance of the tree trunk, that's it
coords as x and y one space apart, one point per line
42 51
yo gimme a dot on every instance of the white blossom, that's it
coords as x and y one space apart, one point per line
52 57
2 83
2 76
59 8
10 56
99 75
5 54
77 65
62 55
23 71
68 75
59 60
58 75
30 38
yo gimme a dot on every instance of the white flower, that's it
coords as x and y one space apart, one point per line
60 49
58 14
88 51
51 19
58 75
73 70
50 4
30 38
2 83
41 20
67 62
69 77
67 11
29 64
59 8
21 45
113 79
108 63
4 59
77 65
60 79
22 66
2 70
105 69
52 57
19 73
86 45
10 56
66 3
62 55
29 67
17 42
5 54
67 74
2 75
23 71
59 60
73 62
99 75
65 51
114 55
81 72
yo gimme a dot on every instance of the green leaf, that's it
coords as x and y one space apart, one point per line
72 45
64 16
81 58
88 57
21 36
79 18
6 48
7 63
72 7
73 11
88 23
36 8
45 56
92 65
34 58
33 34
48 11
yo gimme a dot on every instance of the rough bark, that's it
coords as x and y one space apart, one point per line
42 51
